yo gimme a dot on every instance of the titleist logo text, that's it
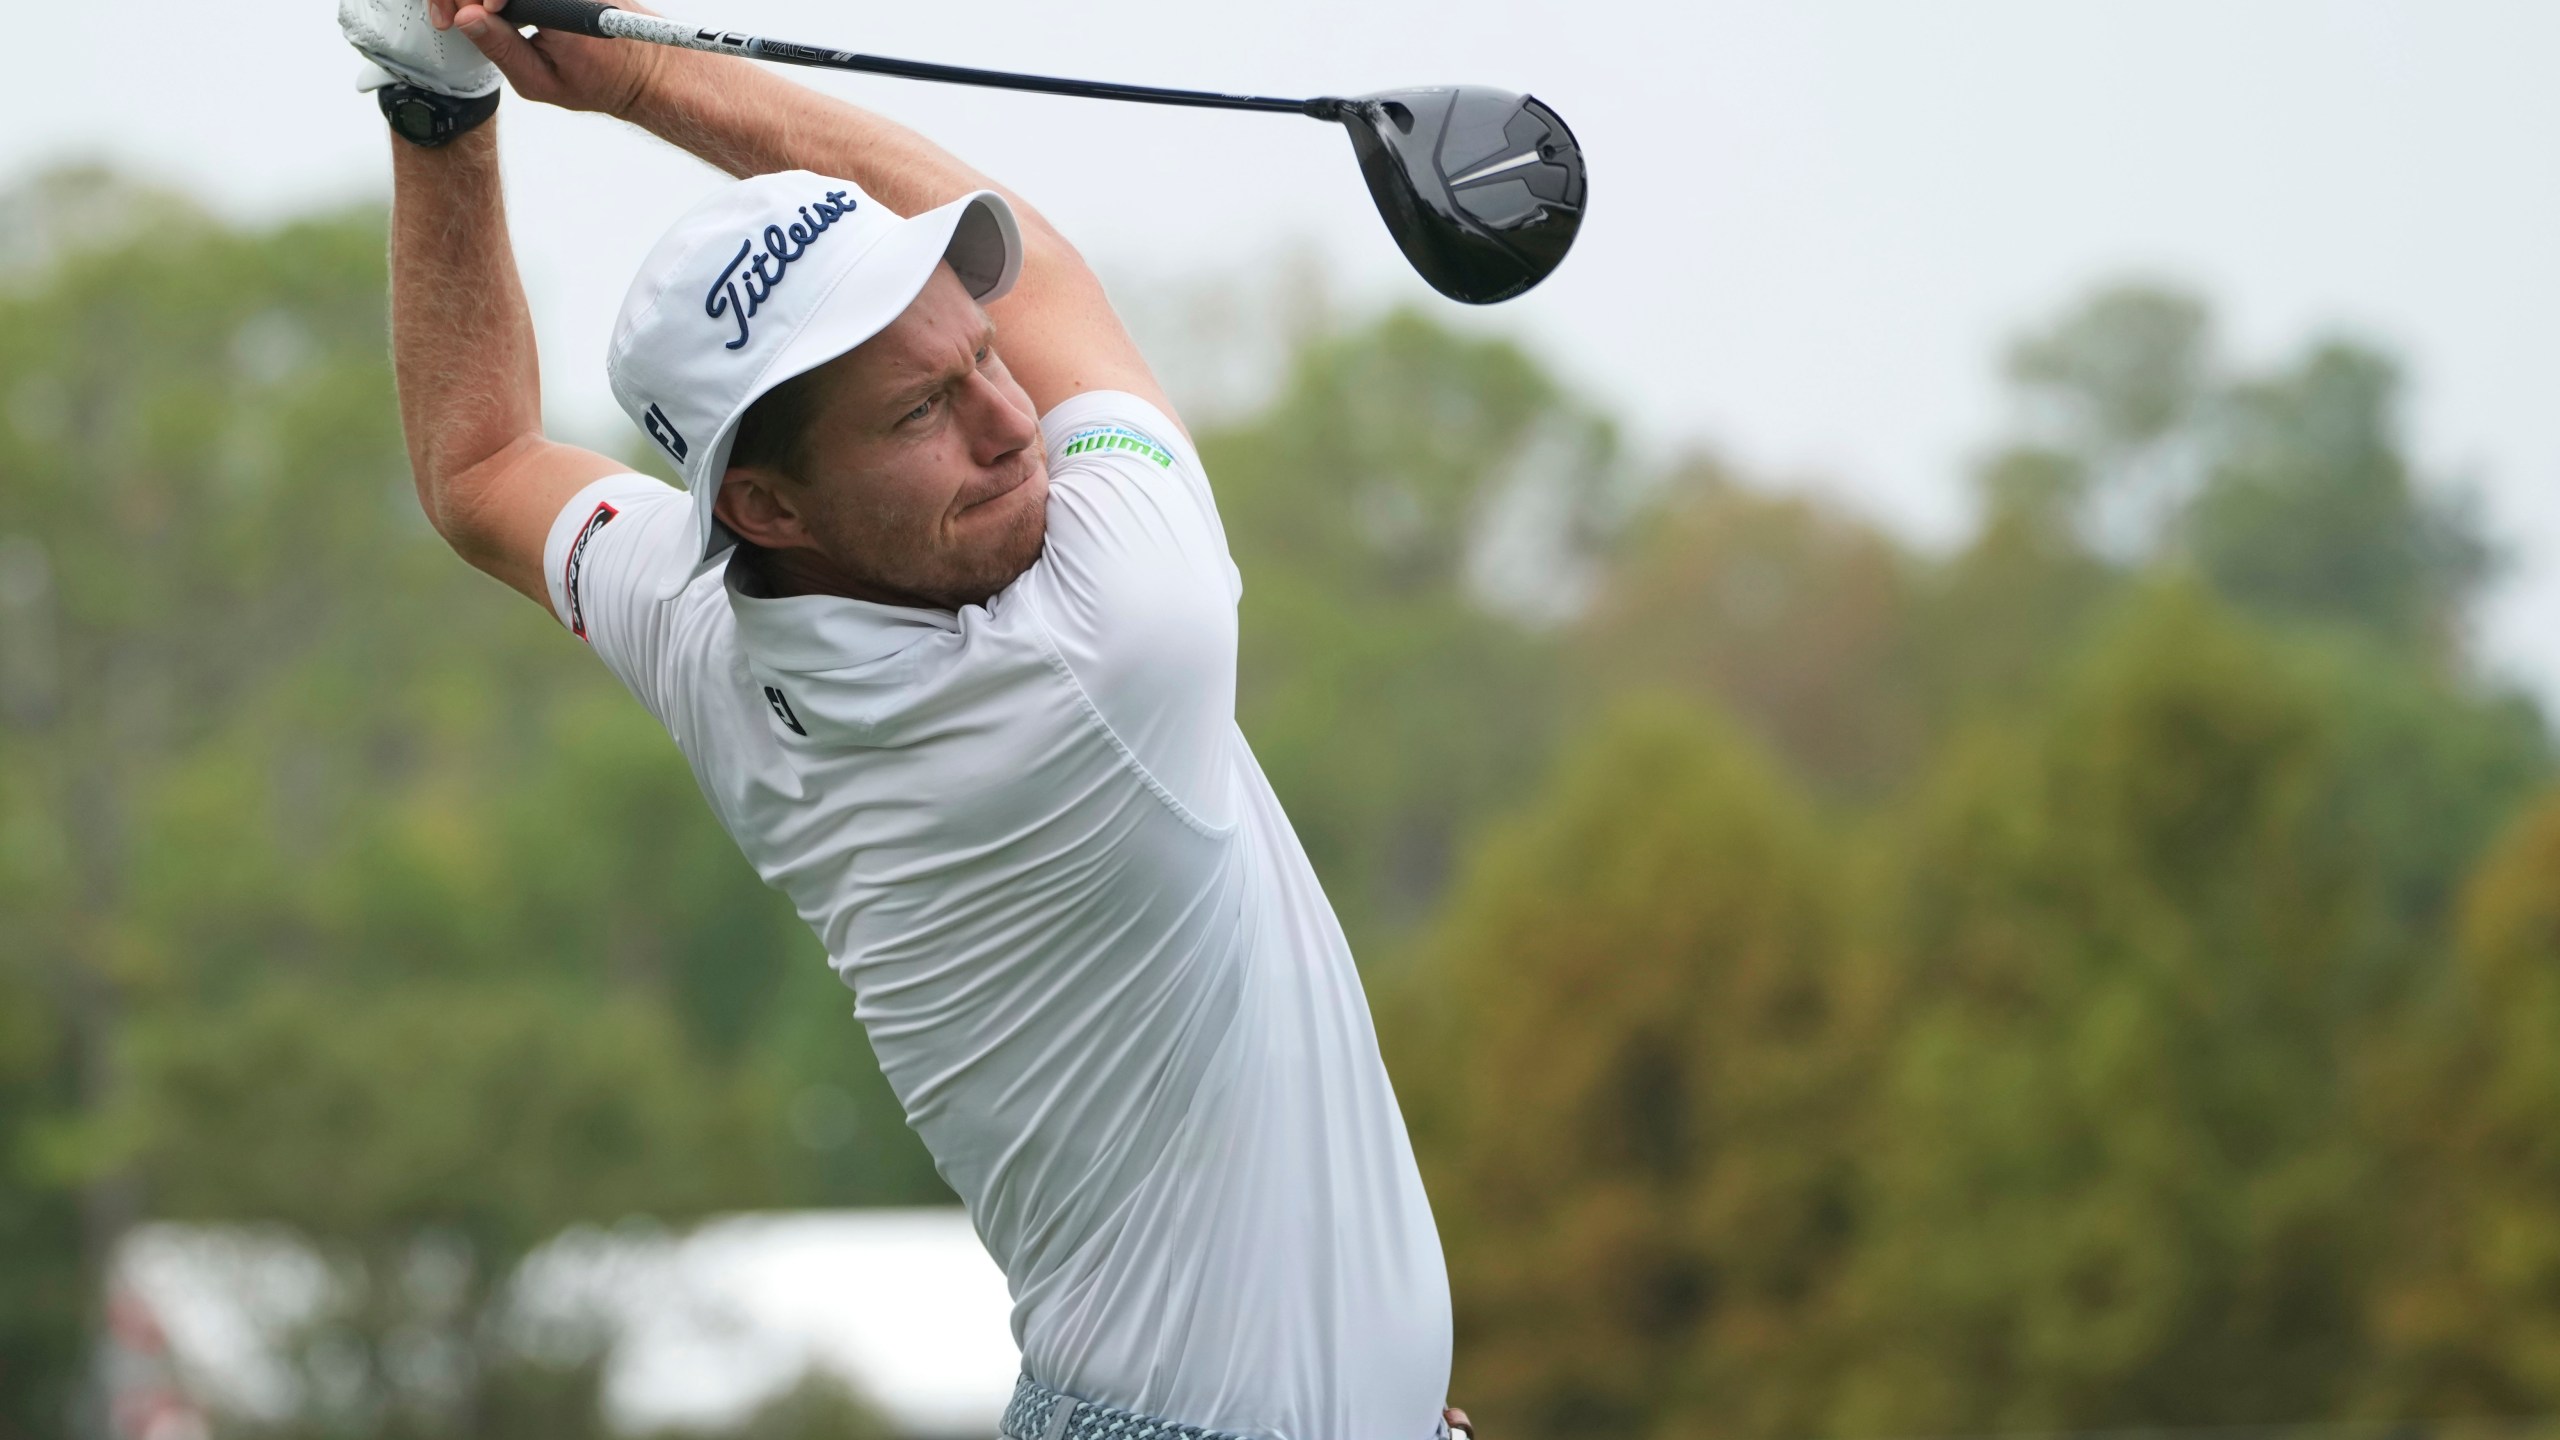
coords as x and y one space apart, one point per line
752 274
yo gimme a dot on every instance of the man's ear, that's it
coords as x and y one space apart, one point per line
761 508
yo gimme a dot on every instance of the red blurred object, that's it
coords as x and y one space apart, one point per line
146 1395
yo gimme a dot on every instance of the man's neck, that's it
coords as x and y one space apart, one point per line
782 574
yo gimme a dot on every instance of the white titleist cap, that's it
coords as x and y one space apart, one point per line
767 279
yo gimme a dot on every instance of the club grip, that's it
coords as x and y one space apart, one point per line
582 17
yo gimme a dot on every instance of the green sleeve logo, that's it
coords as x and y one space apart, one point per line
1115 437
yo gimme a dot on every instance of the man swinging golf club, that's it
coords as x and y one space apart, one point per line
946 628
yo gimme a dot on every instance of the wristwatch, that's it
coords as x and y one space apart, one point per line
425 118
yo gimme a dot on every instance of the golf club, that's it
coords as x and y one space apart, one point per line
1482 189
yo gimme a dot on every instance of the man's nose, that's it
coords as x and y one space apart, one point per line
999 424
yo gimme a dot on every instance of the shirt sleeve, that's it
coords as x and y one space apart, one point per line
618 555
1137 591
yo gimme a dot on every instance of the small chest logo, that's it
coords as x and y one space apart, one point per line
576 568
782 710
751 275
664 431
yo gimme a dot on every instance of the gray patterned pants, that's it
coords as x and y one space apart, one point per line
1040 1413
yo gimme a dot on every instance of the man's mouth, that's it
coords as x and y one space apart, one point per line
998 489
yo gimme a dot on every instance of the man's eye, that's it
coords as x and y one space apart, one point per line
921 411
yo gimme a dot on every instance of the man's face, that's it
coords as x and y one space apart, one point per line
921 479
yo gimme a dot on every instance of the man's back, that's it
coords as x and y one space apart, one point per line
1089 952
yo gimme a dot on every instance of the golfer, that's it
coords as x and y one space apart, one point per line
945 623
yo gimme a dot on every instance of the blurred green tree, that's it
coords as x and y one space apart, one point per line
426 1138
2431 769
1634 1084
2467 1113
492 1115
2291 492
2311 511
1996 626
1797 619
1411 515
2120 371
2117 1180
820 1407
160 379
283 784
46 1295
2291 496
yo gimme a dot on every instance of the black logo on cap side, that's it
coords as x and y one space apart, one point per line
663 430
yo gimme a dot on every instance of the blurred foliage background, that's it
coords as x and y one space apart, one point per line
2102 975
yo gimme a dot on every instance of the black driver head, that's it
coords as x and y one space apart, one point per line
1482 188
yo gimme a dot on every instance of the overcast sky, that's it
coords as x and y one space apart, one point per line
1811 224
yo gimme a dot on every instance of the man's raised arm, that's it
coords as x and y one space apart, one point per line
1057 330
470 389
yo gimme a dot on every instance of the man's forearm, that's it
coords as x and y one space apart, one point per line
461 337
1058 332
746 120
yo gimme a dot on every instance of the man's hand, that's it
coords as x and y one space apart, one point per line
575 72
398 36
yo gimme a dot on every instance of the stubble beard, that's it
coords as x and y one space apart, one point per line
1011 551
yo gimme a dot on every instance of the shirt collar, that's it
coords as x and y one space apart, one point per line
812 634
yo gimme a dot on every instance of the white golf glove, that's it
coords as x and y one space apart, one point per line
402 46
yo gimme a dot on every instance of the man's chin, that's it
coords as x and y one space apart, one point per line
1015 526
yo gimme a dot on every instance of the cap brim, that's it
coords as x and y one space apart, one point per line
977 233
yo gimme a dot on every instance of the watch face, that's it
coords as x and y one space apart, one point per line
415 118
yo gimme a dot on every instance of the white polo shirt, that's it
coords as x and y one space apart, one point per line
1091 956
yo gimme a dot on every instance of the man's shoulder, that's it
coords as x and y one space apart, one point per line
621 567
619 544
1117 435
1136 593
1103 423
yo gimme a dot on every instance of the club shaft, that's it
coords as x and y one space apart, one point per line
657 30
